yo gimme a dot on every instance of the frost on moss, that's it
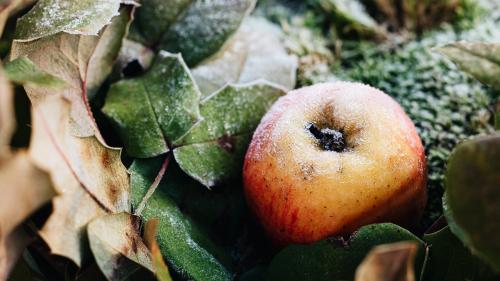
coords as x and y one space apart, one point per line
445 104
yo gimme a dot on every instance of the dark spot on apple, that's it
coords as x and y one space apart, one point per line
227 143
329 139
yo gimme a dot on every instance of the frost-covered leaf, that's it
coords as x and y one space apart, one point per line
7 118
23 71
49 17
24 189
450 260
196 28
187 249
213 150
89 178
335 258
156 109
160 267
388 262
472 196
255 51
481 60
351 16
117 246
82 62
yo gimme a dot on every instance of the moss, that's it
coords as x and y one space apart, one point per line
445 104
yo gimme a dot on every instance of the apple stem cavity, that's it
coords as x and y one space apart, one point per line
329 139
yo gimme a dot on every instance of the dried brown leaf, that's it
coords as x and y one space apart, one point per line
389 262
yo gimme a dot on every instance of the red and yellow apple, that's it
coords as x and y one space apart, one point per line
330 158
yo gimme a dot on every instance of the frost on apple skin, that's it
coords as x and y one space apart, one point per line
284 166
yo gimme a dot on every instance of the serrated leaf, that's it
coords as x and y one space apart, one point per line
23 71
195 28
336 259
49 17
156 109
187 248
88 175
213 150
160 267
351 16
256 51
481 60
82 62
388 262
450 260
117 246
472 196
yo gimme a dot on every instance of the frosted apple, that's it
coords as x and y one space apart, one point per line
330 158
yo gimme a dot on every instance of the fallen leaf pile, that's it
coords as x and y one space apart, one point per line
141 113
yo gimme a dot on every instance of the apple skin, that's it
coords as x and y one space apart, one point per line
302 193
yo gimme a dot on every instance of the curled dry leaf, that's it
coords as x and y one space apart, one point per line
389 262
88 175
256 51
159 265
49 17
118 247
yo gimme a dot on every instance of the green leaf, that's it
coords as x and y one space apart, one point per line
195 28
156 109
255 51
23 71
334 258
49 17
161 270
10 7
481 60
187 249
450 260
213 150
473 196
117 246
351 16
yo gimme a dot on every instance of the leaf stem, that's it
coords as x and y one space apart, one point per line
155 184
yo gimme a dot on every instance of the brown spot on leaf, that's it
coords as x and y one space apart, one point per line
227 143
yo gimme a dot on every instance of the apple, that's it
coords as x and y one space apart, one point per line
330 158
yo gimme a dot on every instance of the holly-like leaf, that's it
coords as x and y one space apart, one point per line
450 260
213 150
472 196
196 28
25 188
351 16
335 258
48 17
23 71
117 246
388 262
187 249
160 111
156 109
481 60
82 62
256 51
160 267
88 176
